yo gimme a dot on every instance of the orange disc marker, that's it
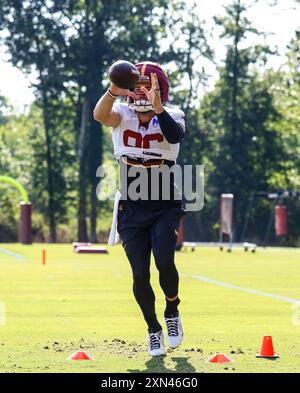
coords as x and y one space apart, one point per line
220 358
80 356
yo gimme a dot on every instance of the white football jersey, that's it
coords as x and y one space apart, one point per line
130 138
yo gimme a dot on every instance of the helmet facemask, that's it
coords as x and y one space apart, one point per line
141 104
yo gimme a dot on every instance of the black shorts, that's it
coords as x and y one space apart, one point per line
142 231
133 219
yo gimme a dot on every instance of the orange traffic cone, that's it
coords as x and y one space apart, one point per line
267 349
220 358
80 356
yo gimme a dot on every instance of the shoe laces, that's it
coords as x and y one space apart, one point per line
154 339
172 326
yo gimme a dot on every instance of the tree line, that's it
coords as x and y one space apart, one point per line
245 130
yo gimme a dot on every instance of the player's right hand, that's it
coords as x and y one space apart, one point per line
122 92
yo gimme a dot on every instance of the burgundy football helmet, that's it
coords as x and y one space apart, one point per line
145 69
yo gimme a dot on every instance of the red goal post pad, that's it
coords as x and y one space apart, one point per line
226 214
281 225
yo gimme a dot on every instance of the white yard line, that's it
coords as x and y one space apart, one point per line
236 287
12 254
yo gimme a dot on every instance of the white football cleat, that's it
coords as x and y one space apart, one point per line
156 344
175 332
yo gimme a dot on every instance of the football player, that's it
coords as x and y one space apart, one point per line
146 134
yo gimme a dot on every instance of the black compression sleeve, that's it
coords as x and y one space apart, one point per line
172 131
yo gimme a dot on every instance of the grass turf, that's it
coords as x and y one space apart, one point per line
85 302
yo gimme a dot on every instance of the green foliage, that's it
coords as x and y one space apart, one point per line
245 130
239 116
15 150
71 44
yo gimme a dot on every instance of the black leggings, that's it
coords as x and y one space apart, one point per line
141 233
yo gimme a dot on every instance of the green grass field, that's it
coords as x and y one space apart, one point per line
79 302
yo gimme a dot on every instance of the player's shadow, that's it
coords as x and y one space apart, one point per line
157 365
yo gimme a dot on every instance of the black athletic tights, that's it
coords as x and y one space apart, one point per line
142 232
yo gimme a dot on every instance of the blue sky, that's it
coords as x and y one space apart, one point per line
281 21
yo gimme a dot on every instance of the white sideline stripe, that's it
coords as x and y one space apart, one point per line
11 254
231 286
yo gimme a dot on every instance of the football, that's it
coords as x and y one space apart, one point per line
123 74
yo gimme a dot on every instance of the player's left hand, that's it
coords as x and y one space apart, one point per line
153 95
